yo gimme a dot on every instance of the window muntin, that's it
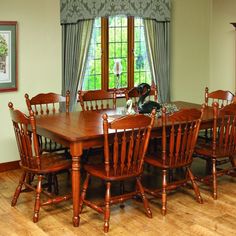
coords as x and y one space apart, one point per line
118 49
123 39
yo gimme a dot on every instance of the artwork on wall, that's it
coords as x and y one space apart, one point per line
8 56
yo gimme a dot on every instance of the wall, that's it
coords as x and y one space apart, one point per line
222 45
39 60
190 49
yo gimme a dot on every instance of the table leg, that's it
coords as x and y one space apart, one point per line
76 153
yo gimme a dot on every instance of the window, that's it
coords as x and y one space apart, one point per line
93 75
113 38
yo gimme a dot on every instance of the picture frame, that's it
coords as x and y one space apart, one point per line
8 56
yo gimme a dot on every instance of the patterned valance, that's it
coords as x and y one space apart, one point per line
75 10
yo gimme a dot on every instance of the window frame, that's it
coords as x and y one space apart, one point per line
105 54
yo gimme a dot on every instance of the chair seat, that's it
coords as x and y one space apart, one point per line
100 172
205 149
158 162
50 162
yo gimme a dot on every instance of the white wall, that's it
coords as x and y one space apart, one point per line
39 59
222 45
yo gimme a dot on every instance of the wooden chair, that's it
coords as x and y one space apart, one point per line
97 100
179 135
223 97
134 95
46 104
94 101
234 99
33 162
125 144
222 144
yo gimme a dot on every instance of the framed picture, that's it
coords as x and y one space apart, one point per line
8 56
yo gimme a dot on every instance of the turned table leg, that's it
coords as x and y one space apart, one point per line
76 152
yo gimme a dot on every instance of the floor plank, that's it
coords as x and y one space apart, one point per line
184 215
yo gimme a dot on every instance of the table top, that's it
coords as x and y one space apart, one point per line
86 125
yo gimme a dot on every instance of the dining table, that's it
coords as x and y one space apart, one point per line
81 130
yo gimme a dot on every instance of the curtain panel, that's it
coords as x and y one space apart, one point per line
75 45
157 36
73 11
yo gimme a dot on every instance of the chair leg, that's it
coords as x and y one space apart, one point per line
208 166
29 178
107 207
195 187
171 176
84 190
37 199
214 179
122 190
49 180
18 189
143 196
164 195
233 161
55 184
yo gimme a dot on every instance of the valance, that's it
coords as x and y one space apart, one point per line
74 10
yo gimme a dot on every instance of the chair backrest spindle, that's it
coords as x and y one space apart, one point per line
97 100
179 135
222 97
126 146
47 103
224 129
27 141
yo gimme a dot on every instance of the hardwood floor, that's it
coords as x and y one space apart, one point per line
184 215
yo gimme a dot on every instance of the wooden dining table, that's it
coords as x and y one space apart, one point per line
82 130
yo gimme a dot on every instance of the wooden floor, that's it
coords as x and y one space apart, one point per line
184 215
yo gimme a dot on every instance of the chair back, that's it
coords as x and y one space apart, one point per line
134 95
27 141
97 100
179 136
47 103
126 144
222 97
224 129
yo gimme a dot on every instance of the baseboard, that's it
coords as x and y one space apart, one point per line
9 166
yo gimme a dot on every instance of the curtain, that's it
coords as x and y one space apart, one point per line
77 17
75 45
157 40
73 11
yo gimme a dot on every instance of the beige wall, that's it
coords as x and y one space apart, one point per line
189 49
39 59
202 47
222 45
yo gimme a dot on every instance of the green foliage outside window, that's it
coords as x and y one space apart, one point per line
118 49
